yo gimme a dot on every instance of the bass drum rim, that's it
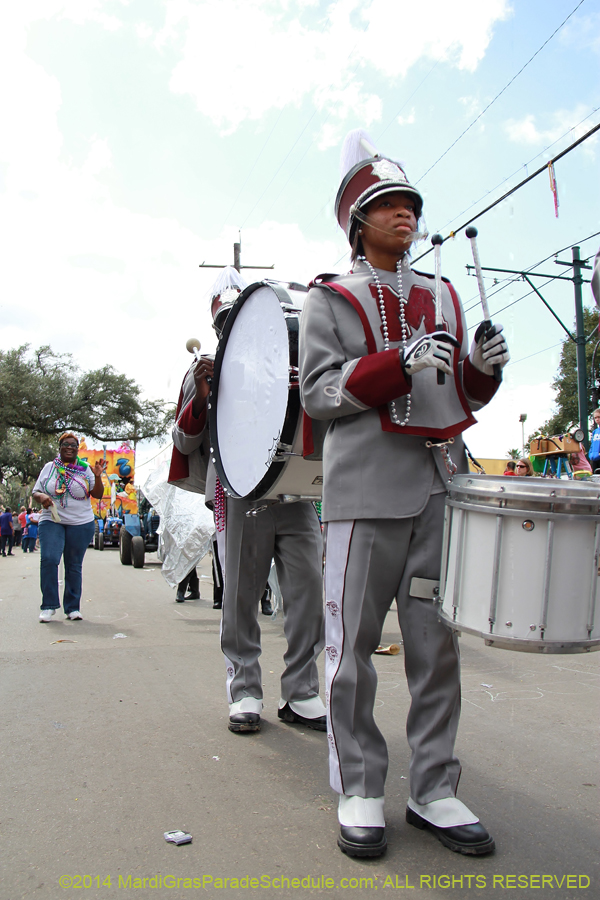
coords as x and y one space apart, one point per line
292 411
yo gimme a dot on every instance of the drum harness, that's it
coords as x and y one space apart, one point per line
451 466
442 446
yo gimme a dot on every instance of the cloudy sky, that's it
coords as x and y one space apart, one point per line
140 137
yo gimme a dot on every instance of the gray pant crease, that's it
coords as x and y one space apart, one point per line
384 556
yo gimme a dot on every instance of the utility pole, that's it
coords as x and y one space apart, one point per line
579 338
580 341
522 420
237 260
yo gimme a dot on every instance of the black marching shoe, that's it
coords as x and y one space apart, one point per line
218 604
195 595
244 722
266 608
470 840
179 597
287 714
356 841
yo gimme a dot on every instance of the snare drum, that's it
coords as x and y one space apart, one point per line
255 415
520 562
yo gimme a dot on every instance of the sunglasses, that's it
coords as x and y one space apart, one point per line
69 445
521 466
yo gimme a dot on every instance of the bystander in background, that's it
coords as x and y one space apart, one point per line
524 467
6 532
17 529
64 488
594 454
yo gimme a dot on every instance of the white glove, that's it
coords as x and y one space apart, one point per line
433 349
489 349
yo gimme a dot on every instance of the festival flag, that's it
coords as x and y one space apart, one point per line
553 187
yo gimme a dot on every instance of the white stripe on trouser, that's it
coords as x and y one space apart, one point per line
338 538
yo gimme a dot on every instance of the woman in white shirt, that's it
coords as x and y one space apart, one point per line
66 527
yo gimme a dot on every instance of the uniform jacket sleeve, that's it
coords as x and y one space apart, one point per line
188 431
189 458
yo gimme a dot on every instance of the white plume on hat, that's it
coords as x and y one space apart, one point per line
356 147
228 278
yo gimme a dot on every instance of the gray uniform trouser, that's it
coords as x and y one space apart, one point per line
291 534
368 563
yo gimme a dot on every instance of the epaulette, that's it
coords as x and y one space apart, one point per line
429 275
319 279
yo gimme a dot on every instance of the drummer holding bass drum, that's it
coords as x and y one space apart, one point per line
250 534
391 368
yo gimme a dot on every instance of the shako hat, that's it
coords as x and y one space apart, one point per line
224 292
366 175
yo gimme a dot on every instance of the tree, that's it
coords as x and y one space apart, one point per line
514 453
22 455
565 382
45 393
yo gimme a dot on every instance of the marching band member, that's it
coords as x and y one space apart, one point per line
248 539
369 360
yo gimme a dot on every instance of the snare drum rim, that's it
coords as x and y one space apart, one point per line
516 511
524 645
519 492
293 407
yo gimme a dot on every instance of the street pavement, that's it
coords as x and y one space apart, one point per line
108 741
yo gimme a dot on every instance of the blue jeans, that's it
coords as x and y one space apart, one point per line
70 542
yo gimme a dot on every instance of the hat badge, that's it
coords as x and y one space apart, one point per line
386 170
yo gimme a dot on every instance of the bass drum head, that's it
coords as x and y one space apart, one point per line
251 392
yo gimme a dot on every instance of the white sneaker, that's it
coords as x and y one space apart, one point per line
46 615
75 614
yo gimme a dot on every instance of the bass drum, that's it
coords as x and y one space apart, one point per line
255 415
520 562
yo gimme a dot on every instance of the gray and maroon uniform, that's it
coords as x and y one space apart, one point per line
288 532
383 502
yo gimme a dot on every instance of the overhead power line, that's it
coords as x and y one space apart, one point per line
518 186
254 164
407 101
295 143
505 88
537 353
508 281
524 165
154 457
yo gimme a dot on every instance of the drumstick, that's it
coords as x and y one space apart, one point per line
471 233
192 345
437 240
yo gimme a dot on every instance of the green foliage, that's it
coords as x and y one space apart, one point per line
515 453
43 394
565 382
22 455
46 393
